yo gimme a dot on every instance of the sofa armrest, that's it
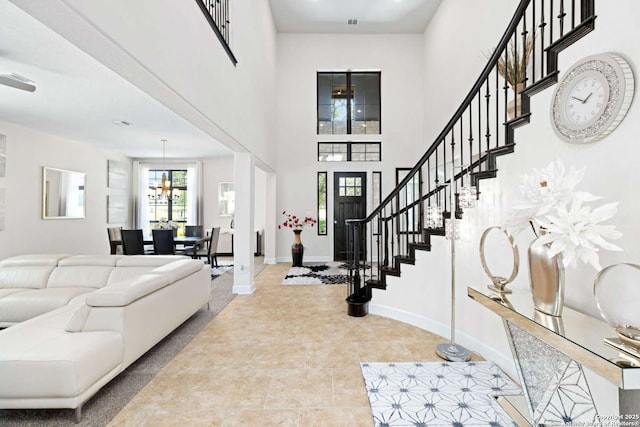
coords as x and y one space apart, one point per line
124 293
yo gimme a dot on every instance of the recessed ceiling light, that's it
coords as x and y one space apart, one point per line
122 123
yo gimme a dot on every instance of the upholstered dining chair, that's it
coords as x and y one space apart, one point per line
193 230
163 243
211 249
115 240
132 242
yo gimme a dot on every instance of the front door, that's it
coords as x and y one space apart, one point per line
349 202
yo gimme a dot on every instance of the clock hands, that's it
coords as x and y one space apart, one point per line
582 101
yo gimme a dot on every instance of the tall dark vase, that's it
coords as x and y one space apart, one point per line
297 250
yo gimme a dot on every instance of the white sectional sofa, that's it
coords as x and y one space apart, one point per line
78 321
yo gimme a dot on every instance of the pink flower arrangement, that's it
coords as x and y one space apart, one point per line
296 223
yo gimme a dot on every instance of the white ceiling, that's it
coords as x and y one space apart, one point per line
79 98
374 16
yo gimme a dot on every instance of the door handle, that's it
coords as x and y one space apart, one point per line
335 221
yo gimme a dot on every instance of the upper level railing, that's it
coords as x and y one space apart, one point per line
523 63
217 14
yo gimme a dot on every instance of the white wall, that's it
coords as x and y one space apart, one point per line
300 56
25 231
422 294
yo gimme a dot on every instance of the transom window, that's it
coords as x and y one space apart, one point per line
349 103
350 186
349 151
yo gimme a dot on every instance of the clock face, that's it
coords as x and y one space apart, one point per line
586 101
592 98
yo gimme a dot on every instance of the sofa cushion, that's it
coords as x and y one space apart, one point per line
21 306
30 260
146 260
86 260
124 293
79 276
33 277
11 291
42 362
179 269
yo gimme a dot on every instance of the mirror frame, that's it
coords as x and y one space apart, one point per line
45 193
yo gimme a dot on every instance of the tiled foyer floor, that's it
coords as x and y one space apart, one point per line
284 356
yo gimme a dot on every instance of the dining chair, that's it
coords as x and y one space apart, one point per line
132 242
211 249
115 240
163 243
193 231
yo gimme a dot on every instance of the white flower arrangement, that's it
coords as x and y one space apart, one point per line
164 224
551 204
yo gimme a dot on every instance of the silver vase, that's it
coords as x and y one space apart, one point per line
547 280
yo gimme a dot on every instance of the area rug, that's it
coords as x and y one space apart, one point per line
455 394
332 273
220 270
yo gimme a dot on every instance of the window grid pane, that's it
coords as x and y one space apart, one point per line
339 152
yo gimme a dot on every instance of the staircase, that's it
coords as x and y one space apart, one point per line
465 152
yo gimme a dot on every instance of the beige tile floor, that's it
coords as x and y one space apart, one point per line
284 356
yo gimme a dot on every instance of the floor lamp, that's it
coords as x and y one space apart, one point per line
451 351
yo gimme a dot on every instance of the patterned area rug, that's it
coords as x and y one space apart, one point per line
458 394
332 273
220 270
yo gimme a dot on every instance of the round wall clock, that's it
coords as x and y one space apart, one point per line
592 98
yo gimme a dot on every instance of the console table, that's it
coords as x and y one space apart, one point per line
550 352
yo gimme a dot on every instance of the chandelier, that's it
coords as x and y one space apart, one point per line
163 191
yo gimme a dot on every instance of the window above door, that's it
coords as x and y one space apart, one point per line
349 103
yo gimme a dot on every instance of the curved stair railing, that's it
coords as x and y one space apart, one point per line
465 152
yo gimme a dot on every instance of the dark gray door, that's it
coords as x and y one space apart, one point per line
349 202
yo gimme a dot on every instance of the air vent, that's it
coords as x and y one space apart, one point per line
352 21
122 123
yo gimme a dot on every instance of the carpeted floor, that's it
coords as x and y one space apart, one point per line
102 407
458 394
331 273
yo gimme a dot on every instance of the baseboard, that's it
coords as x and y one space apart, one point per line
505 362
270 261
244 289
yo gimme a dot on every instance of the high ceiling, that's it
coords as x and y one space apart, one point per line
374 16
79 98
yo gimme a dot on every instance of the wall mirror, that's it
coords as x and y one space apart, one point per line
63 193
226 199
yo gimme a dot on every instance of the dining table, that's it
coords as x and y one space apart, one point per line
187 241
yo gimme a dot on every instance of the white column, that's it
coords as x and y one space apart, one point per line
244 229
270 219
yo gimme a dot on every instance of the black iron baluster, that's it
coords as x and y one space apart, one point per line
525 53
386 241
533 52
487 97
479 129
506 88
470 144
542 26
573 14
561 16
516 72
497 107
